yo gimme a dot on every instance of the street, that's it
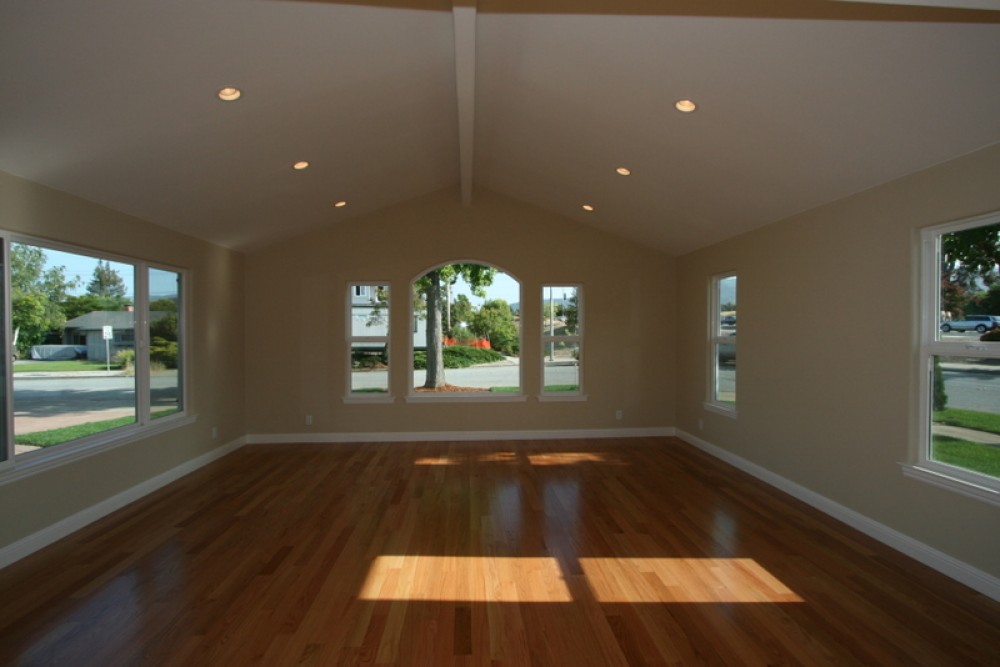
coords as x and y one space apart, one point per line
41 403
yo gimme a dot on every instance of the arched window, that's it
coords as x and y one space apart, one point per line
467 331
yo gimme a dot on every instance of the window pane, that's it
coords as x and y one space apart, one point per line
560 311
369 313
468 319
965 422
725 373
727 307
165 342
970 293
74 331
369 368
561 366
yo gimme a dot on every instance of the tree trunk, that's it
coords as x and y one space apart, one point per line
435 355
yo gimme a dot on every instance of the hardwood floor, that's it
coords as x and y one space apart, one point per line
601 552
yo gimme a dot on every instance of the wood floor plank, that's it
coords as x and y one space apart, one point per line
603 552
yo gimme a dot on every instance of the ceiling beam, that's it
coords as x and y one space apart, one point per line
464 13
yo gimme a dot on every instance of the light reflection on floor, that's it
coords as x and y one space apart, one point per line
611 580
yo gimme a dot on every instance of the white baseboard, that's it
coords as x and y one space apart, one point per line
454 436
972 577
43 538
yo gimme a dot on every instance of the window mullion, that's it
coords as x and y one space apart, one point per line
141 334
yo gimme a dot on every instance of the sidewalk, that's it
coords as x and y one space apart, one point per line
38 375
968 434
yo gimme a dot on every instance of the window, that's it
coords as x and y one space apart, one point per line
722 345
959 443
165 343
368 340
96 343
467 343
562 340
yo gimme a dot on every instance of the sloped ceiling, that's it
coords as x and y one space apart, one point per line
799 103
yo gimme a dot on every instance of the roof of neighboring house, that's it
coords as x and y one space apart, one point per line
118 319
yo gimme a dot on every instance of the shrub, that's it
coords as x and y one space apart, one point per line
126 360
163 351
458 356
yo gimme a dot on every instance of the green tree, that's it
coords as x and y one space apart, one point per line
106 282
969 260
35 294
461 312
494 321
430 290
571 313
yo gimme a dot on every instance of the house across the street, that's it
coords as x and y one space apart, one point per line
88 331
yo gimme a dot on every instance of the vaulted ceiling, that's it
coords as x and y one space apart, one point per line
799 103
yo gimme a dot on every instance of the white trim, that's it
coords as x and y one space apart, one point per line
43 538
950 480
457 436
950 566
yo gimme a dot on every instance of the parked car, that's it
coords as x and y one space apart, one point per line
980 323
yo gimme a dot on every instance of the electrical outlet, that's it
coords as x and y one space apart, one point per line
309 420
701 424
618 415
215 432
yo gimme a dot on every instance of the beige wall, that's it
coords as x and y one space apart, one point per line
827 322
215 345
296 353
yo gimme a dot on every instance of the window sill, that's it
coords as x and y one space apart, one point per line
474 397
32 463
724 409
948 481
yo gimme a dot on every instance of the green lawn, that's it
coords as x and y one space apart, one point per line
62 366
979 421
57 436
962 453
968 455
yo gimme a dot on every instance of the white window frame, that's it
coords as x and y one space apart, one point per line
576 338
354 291
715 338
921 466
12 468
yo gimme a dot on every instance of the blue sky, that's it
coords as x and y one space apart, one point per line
82 267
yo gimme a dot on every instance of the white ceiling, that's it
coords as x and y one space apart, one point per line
800 103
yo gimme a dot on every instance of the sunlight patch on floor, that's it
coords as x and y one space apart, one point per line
641 580
465 578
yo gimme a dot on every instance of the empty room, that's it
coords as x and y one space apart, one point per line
500 332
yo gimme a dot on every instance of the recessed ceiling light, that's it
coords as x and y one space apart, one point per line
300 165
685 106
624 171
587 207
341 204
229 94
